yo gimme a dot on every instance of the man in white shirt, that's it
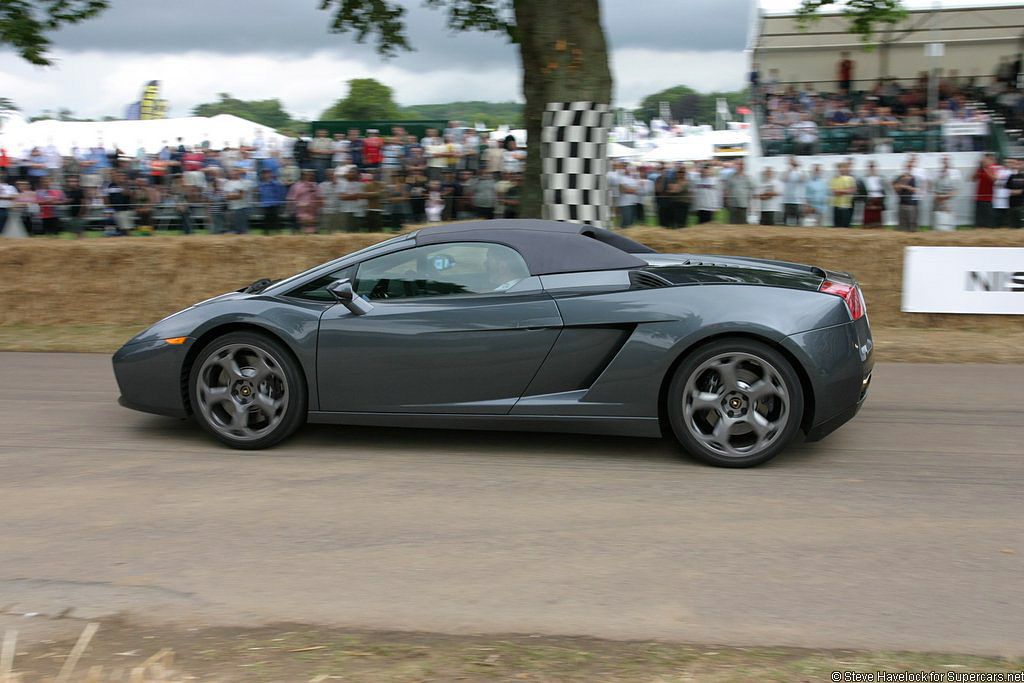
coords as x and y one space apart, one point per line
237 191
330 204
792 193
806 132
628 189
350 195
771 196
706 198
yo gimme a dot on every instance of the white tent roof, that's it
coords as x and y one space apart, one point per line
220 131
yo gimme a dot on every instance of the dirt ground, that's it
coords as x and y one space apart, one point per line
294 652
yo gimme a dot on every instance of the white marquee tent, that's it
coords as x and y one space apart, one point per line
220 131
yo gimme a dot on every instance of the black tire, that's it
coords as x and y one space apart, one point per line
271 390
706 395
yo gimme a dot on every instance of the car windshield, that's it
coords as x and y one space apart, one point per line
284 284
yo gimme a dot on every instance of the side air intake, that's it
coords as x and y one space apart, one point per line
642 279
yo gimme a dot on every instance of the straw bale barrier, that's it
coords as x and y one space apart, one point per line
140 280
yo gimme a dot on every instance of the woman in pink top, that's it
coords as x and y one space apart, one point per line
304 201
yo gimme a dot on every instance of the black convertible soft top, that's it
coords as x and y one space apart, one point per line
547 246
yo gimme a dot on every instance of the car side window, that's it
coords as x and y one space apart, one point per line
316 290
441 270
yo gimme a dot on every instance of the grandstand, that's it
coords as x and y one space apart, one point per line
944 80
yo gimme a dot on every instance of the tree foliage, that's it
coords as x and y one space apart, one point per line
686 104
491 114
367 99
865 15
24 24
382 20
266 112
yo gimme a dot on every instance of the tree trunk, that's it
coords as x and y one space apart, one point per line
564 59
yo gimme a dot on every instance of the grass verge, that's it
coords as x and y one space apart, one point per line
303 653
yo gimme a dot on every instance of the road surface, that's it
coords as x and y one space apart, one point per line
905 529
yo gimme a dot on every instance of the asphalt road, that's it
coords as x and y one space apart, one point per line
905 529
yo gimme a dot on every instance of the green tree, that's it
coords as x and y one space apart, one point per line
7 104
562 51
686 104
864 15
266 112
24 24
367 99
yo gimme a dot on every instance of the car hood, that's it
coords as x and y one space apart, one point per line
690 269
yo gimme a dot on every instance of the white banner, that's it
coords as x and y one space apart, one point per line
965 128
963 280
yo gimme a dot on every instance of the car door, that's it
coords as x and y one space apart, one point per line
454 328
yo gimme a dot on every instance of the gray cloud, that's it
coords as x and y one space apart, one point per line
299 27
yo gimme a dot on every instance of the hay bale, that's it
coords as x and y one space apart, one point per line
140 280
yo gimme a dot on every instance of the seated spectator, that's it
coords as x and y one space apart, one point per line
805 133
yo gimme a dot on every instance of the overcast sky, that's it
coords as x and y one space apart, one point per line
282 48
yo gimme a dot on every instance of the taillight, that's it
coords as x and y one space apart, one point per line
848 293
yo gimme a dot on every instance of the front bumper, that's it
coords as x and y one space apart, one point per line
148 374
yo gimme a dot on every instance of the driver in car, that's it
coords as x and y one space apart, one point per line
505 271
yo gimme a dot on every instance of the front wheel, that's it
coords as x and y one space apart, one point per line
247 390
735 403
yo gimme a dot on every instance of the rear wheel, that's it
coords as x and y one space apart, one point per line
247 390
735 403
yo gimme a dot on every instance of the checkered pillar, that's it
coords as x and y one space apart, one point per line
574 146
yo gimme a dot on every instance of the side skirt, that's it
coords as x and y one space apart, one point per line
613 426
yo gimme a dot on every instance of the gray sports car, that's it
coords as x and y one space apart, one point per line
525 325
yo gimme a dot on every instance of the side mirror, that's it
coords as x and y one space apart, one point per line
347 297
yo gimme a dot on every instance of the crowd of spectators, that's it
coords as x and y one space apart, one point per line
884 116
349 182
853 192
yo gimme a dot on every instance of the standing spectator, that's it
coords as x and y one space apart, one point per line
77 202
272 196
22 205
874 191
372 150
304 201
216 204
706 195
905 187
330 203
805 131
816 195
627 192
512 156
680 193
417 185
48 199
350 192
435 204
738 189
355 148
845 73
493 155
944 189
143 199
471 151
397 203
1001 197
7 194
392 158
985 177
771 196
512 196
37 170
485 196
119 199
1015 186
792 193
236 192
341 156
843 187
321 149
373 197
